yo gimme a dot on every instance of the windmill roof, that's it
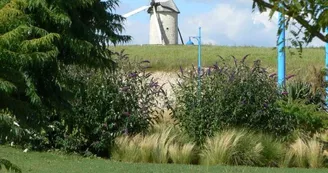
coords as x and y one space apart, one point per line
167 6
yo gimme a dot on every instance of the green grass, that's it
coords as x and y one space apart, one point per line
34 162
170 58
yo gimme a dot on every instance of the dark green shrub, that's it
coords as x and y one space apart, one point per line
108 104
299 90
10 130
309 118
234 95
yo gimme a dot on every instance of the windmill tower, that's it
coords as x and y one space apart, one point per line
163 26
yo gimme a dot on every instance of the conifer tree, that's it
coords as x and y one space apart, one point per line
40 38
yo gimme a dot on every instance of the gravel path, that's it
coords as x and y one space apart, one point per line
166 78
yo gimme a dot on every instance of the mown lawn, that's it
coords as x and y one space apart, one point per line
34 162
170 58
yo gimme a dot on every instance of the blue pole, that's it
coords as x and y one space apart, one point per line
281 51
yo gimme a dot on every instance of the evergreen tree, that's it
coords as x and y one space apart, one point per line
40 38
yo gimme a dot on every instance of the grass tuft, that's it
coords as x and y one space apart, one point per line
164 144
304 153
182 154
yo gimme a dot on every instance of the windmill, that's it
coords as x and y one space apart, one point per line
163 27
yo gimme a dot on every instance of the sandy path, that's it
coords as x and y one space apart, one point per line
166 78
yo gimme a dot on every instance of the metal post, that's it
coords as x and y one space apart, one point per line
281 51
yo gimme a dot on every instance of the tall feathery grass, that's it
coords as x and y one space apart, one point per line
273 151
220 148
165 144
183 153
304 153
241 147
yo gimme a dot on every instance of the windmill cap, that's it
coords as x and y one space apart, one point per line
167 6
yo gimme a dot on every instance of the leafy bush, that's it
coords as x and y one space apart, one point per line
229 95
299 90
10 130
309 118
111 103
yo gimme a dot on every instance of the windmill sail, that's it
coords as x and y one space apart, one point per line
136 11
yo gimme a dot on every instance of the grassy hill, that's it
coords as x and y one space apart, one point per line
170 58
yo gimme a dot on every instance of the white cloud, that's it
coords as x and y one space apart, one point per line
264 20
227 23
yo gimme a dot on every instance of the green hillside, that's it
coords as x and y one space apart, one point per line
170 58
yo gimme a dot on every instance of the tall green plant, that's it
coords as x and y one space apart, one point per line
23 48
109 103
39 39
230 95
308 117
10 130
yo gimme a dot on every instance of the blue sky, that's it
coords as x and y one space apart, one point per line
224 22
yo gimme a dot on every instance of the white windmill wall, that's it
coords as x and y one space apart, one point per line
168 25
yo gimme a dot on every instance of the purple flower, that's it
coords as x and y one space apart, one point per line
181 70
273 74
126 88
290 76
133 75
215 66
209 71
153 84
126 114
244 58
284 93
